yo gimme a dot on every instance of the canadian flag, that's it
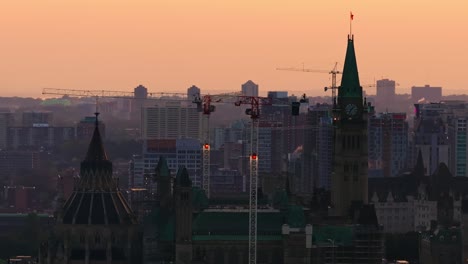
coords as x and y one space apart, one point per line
351 15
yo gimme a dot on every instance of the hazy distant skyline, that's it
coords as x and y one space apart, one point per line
218 45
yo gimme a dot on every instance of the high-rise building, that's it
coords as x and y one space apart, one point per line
192 92
313 161
177 152
171 120
388 144
385 92
458 136
31 118
85 128
6 120
430 135
426 93
140 94
325 148
349 176
249 89
95 224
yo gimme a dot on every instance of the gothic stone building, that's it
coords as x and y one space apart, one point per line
95 225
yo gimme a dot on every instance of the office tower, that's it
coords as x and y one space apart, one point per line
388 144
385 93
177 152
192 92
426 93
249 89
37 118
171 120
6 120
430 135
85 128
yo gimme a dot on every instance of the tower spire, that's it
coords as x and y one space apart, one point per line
350 85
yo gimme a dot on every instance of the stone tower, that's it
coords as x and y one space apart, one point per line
95 225
183 217
350 110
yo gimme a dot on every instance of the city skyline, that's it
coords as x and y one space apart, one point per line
168 46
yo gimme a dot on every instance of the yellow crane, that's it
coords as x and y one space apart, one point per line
333 72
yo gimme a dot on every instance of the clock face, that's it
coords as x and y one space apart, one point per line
351 109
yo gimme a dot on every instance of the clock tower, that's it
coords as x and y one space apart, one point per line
350 110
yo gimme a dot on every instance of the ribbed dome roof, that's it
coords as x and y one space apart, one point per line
96 199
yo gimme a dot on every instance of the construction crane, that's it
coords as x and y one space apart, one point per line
254 113
205 105
333 72
107 93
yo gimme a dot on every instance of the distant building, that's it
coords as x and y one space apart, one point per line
249 89
458 140
385 89
21 199
426 93
85 128
318 136
31 118
6 120
39 136
171 120
12 161
192 92
385 93
430 135
178 153
140 94
388 144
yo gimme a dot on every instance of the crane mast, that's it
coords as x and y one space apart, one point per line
254 113
205 105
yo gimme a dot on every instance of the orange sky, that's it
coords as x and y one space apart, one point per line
218 45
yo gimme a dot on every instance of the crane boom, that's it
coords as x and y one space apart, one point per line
105 93
333 72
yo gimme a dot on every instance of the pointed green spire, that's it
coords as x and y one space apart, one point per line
162 170
182 178
350 86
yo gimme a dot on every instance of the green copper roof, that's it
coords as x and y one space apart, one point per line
237 223
295 216
350 86
164 221
235 238
280 199
340 235
182 178
199 199
162 169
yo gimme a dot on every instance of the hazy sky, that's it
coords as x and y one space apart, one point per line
218 45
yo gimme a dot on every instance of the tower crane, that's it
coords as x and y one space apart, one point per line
254 113
333 72
205 105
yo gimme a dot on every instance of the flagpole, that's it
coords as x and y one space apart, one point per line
350 24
